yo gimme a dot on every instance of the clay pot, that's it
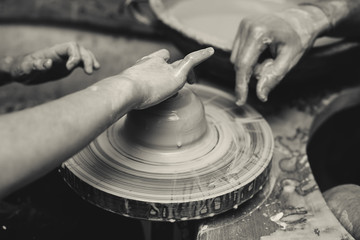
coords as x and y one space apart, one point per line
176 122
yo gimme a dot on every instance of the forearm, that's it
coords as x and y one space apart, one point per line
343 16
36 140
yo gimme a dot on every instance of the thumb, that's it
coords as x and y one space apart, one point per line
271 72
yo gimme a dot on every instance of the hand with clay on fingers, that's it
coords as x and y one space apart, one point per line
90 111
156 80
51 63
287 35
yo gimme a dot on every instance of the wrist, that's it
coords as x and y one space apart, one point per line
308 21
334 10
119 93
321 21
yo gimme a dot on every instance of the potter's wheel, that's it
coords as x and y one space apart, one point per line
190 157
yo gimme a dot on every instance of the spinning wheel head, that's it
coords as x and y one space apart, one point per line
193 156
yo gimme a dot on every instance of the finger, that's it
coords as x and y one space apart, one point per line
191 77
176 63
24 68
261 73
191 60
236 44
244 65
72 50
75 54
241 36
87 60
235 49
241 88
48 63
273 72
42 64
259 68
95 61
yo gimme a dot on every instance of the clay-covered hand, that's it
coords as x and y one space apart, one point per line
287 35
156 80
52 63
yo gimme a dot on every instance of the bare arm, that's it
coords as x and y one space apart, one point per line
36 140
288 35
343 15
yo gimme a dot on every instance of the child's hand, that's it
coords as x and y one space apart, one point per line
52 63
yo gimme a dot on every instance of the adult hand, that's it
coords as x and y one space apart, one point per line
155 80
52 63
287 35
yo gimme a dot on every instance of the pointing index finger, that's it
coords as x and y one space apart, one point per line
245 63
193 59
